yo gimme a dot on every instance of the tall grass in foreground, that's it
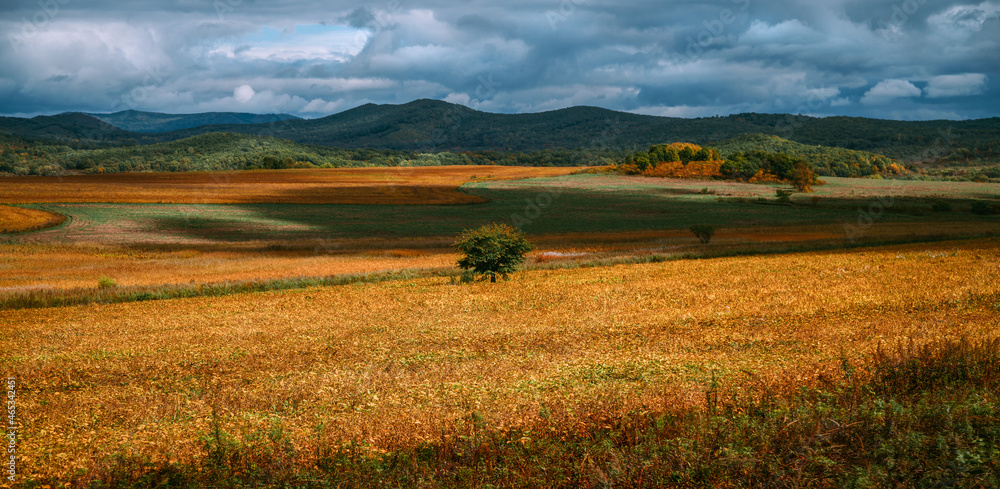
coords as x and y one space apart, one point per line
912 416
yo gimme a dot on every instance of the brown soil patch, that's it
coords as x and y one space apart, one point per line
420 185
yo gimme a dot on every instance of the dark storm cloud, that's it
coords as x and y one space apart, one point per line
359 18
906 59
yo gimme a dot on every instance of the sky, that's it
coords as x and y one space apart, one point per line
888 59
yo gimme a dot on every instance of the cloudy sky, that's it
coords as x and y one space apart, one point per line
894 59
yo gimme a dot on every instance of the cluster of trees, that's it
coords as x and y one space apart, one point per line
682 153
989 174
959 165
761 166
21 157
684 160
988 151
825 161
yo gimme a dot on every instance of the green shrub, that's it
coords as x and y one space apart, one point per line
106 283
784 196
467 277
492 250
703 232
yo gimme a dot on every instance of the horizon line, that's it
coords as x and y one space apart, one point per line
814 116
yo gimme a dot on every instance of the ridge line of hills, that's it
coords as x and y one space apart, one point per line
435 126
156 122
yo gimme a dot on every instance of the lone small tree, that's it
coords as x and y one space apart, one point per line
491 250
704 232
802 177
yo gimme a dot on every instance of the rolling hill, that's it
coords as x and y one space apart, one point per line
137 121
71 127
434 126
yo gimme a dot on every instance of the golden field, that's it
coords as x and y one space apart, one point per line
402 185
18 219
395 363
28 267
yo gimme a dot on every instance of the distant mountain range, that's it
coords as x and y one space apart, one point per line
136 121
431 126
71 127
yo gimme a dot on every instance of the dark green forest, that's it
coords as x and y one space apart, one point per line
433 126
824 160
138 121
428 132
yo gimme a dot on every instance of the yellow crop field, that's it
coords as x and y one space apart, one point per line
409 185
29 267
18 219
396 363
62 266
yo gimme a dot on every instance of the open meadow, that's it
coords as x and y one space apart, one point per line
621 320
584 217
397 364
564 244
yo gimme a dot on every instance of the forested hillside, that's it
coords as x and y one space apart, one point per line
431 126
428 124
137 121
228 151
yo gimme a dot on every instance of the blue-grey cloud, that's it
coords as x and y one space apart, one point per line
905 59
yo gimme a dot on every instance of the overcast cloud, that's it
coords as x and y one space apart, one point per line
912 59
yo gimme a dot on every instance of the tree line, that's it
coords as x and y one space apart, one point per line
227 151
685 160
